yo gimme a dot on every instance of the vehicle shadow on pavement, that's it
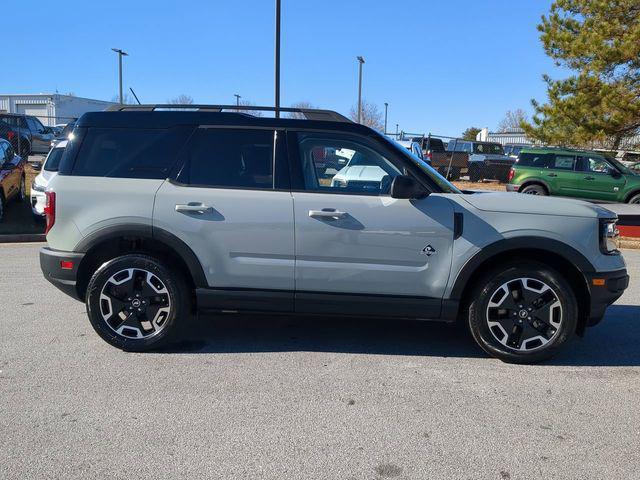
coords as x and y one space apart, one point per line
614 342
266 333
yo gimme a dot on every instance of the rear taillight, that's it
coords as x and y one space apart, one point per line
429 155
50 210
11 135
512 172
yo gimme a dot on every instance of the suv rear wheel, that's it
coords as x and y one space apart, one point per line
534 189
635 198
136 304
522 313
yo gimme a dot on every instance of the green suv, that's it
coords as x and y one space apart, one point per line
573 173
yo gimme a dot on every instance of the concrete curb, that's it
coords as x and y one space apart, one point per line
23 238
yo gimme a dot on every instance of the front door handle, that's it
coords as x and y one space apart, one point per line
193 207
327 213
589 177
552 175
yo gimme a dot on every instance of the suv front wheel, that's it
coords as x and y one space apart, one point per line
522 313
136 304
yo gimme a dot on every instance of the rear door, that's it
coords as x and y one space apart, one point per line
357 249
228 205
596 181
562 176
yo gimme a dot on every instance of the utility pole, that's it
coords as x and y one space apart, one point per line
277 58
397 131
386 108
120 55
360 62
238 97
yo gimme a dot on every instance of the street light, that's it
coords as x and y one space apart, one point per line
360 62
277 59
238 97
386 108
120 55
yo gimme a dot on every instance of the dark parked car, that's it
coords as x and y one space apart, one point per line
32 135
487 160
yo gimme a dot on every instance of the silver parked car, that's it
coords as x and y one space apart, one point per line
208 210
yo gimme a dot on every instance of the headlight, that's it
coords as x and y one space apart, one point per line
37 188
608 236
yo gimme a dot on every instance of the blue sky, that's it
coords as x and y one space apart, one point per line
441 66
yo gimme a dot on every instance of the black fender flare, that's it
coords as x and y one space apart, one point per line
555 247
151 233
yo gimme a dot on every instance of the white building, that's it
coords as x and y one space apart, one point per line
51 109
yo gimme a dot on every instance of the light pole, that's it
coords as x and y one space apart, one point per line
237 99
120 55
386 109
360 62
397 131
277 59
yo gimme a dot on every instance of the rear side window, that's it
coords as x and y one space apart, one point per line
536 160
129 153
564 162
436 145
53 160
229 158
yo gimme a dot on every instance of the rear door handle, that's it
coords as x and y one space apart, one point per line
193 207
327 213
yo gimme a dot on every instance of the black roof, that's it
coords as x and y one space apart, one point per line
166 116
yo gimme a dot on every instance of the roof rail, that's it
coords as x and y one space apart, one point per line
309 113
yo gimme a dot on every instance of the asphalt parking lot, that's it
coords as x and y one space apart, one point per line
264 397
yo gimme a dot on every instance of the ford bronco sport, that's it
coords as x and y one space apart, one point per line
156 214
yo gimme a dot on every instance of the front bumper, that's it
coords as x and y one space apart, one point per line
605 288
51 264
512 188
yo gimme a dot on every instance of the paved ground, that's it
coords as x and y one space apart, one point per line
285 398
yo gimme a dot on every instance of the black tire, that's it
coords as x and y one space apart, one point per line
475 175
534 189
519 339
22 193
171 307
634 198
454 174
25 149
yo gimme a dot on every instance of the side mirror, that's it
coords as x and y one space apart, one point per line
406 187
615 173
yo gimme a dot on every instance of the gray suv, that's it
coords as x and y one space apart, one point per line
156 214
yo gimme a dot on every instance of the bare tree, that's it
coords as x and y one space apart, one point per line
127 99
371 115
181 99
513 120
298 115
248 103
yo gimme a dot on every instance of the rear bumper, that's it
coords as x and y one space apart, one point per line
512 188
605 288
63 278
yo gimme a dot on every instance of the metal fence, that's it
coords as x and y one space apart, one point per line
28 135
459 159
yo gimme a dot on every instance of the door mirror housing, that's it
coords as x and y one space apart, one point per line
615 173
406 187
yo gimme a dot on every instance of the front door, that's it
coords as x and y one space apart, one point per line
225 206
596 179
357 249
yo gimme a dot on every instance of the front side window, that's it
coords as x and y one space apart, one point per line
344 166
229 158
595 165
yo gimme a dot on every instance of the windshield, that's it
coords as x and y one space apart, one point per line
620 166
53 160
443 183
491 148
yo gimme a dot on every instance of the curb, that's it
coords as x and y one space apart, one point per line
23 237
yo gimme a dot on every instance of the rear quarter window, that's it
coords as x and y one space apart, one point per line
129 153
535 160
